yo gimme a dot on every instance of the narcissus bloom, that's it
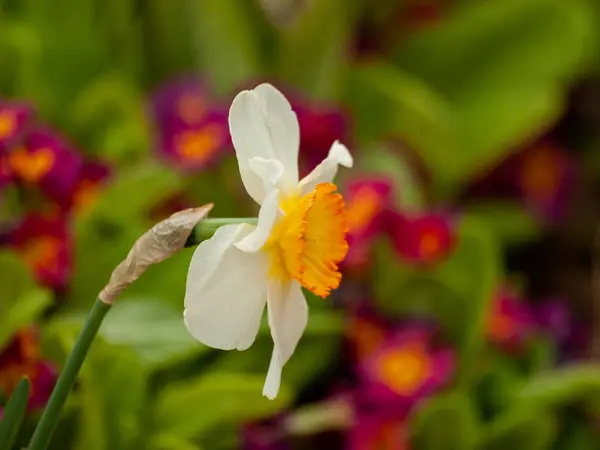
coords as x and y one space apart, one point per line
299 240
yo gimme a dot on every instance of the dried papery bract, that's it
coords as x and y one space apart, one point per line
159 243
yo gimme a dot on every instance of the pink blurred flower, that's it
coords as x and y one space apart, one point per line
378 432
510 321
43 242
425 238
191 130
366 201
15 119
21 358
47 161
405 368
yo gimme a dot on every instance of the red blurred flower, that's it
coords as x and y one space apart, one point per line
366 201
43 242
21 358
510 321
408 366
426 238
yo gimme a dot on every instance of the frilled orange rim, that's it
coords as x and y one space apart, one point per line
309 242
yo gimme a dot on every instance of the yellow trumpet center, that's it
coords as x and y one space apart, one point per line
309 242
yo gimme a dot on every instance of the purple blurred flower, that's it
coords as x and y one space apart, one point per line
181 103
43 242
195 148
426 238
21 358
555 318
15 120
510 321
191 130
408 366
47 161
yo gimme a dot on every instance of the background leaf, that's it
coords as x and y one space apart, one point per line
193 407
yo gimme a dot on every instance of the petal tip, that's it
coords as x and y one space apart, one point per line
342 154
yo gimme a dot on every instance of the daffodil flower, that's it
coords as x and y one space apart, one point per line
298 241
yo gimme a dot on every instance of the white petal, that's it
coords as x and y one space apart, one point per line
288 316
262 124
269 171
226 291
284 128
326 171
266 219
273 381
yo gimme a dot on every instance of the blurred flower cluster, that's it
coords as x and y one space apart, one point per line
467 316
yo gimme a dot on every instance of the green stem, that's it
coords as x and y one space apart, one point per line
66 380
207 227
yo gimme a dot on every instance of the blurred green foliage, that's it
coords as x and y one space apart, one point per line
462 94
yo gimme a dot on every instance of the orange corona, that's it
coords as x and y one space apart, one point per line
310 240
